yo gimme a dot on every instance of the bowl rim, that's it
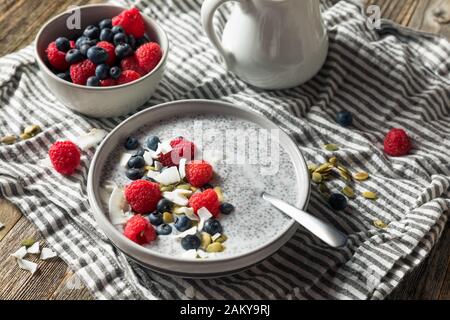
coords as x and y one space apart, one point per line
165 45
104 222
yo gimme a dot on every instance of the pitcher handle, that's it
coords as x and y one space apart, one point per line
209 7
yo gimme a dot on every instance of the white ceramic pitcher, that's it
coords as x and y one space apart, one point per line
270 44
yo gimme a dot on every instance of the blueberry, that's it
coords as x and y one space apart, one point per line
182 223
152 142
92 32
97 55
118 29
120 38
145 39
337 201
73 56
344 118
132 42
212 226
149 179
131 143
207 186
190 242
164 205
80 41
226 208
105 24
84 48
62 44
93 81
164 229
65 76
155 219
106 35
140 152
136 162
123 50
102 71
135 174
115 72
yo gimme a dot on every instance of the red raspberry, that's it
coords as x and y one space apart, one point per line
207 199
397 143
181 148
81 71
56 58
148 56
130 63
65 157
131 21
108 82
139 230
199 173
143 196
110 49
128 76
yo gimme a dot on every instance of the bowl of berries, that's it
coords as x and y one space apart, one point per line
107 66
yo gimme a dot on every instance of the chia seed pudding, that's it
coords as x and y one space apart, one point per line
242 169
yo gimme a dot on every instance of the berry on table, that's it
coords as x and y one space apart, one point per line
164 229
135 174
115 72
92 32
105 24
136 162
123 50
155 218
139 230
63 44
128 76
106 35
110 50
56 58
344 118
131 143
212 226
397 143
226 208
131 21
81 71
207 199
337 201
143 196
164 205
97 55
190 242
199 173
182 223
152 142
148 56
93 81
65 157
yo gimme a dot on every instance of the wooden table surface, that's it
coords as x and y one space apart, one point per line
19 22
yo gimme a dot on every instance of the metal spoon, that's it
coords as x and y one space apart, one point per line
324 231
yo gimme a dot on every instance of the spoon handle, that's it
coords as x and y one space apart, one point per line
326 232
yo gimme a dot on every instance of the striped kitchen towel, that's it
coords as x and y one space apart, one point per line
387 78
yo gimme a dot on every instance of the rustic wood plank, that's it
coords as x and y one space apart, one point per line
9 215
71 288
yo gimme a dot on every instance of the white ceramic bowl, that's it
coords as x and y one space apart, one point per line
96 101
175 265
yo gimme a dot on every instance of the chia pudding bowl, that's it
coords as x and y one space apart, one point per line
248 154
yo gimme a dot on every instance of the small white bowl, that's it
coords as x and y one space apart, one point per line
99 101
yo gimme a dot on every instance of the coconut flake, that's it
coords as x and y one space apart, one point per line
148 158
21 253
27 265
124 159
166 147
117 206
153 174
182 168
188 212
1 226
202 254
215 237
169 176
189 232
158 165
47 254
204 215
190 254
91 139
178 196
34 249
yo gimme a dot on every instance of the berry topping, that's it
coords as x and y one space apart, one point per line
199 173
65 157
102 71
97 55
148 56
115 72
190 242
155 219
105 24
63 44
135 174
130 63
123 50
181 148
212 226
152 142
143 196
139 230
106 35
131 21
207 199
56 58
182 223
226 208
397 143
110 50
128 76
92 32
164 205
93 82
164 229
136 162
74 56
131 143
81 71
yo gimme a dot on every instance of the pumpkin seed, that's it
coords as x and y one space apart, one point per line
8 139
218 190
184 186
205 240
380 224
193 189
343 169
312 167
316 177
370 195
344 175
324 168
24 136
361 176
167 217
333 161
215 247
167 188
28 242
348 192
222 238
331 147
149 168
32 130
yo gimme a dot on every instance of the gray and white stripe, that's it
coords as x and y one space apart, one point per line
387 78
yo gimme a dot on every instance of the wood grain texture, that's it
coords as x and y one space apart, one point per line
20 20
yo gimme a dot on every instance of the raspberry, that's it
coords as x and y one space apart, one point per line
131 21
397 143
143 196
130 63
128 76
56 58
139 230
181 148
207 199
199 173
81 71
108 82
65 157
110 49
148 56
